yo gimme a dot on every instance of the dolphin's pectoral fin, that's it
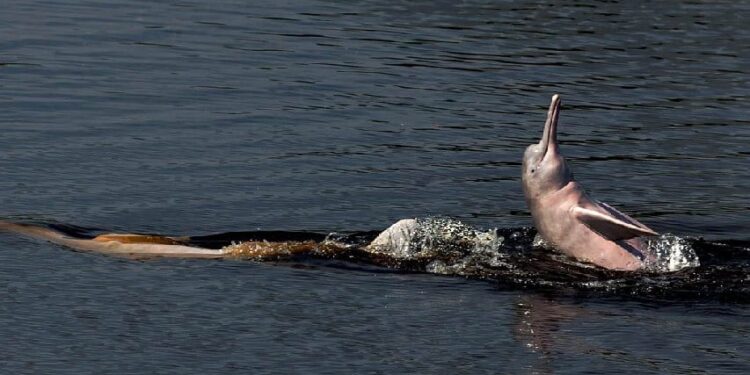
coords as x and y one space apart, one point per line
619 215
608 226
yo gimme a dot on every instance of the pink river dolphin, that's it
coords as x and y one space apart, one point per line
565 216
570 220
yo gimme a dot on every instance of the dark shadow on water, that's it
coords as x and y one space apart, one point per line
519 265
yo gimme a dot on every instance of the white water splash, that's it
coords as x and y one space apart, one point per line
434 238
672 253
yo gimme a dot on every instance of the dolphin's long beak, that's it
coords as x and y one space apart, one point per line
549 137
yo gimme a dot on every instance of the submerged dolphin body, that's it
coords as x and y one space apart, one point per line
571 221
129 245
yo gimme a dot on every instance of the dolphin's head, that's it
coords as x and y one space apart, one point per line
544 169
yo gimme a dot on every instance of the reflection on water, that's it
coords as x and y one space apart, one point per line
539 329
560 332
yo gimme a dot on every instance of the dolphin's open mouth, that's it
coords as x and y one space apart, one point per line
549 137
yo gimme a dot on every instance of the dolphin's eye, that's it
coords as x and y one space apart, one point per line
533 170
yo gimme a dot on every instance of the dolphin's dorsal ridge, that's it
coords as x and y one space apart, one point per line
609 226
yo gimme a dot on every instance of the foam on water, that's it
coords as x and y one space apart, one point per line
434 238
672 254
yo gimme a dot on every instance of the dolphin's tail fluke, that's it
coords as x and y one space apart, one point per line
128 245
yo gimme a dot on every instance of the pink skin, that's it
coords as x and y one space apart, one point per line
133 250
570 220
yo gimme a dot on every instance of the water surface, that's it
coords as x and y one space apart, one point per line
197 118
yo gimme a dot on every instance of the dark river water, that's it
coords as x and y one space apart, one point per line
195 118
